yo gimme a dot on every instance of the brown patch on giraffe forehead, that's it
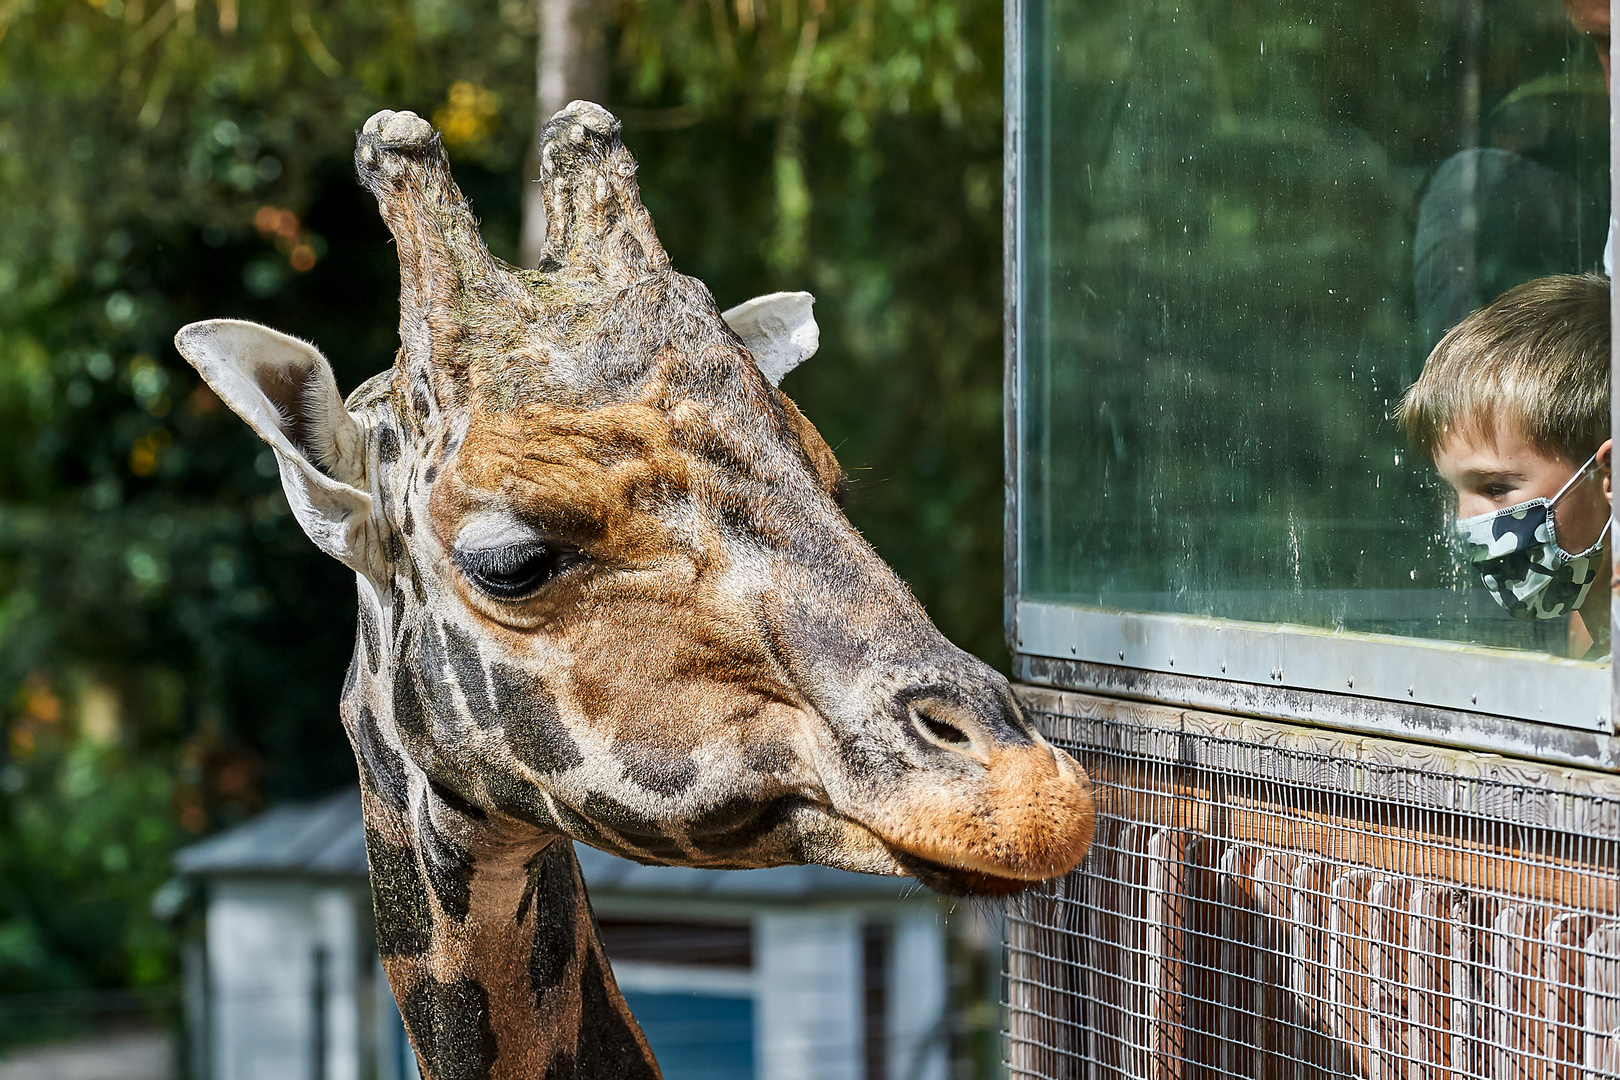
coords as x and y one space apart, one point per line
603 475
592 478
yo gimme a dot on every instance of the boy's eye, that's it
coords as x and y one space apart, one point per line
1497 491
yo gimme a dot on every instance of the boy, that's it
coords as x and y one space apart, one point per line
1513 408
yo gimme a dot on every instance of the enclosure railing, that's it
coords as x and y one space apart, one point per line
1271 901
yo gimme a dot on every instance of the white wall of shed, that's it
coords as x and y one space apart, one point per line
808 1010
919 1040
262 942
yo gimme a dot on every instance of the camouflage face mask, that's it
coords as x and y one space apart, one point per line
1515 549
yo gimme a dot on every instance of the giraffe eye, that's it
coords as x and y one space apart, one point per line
519 571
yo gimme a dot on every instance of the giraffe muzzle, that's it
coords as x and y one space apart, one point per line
1028 816
971 799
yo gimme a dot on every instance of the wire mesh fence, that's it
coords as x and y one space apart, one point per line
1268 902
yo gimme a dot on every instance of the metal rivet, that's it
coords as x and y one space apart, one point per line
1351 681
1172 661
1122 654
1223 669
1474 698
1409 691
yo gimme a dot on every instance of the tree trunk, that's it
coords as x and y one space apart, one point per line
570 63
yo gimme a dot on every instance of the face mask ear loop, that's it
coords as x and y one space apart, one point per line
1580 474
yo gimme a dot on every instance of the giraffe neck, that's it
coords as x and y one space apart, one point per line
495 958
484 928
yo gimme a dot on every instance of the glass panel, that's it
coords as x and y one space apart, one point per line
1245 225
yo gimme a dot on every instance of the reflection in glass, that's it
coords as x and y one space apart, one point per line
1244 228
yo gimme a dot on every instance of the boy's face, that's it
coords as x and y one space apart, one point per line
1496 466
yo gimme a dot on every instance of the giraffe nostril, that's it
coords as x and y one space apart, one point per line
946 733
939 725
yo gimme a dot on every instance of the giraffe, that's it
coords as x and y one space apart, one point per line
606 593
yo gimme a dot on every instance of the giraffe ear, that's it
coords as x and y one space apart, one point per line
779 329
285 391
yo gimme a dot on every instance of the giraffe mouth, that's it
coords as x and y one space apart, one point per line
956 881
864 849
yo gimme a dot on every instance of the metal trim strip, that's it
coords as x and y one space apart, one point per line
1011 301
1437 674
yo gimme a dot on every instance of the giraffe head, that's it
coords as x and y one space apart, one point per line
606 586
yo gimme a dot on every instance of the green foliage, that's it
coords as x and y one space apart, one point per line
85 836
163 162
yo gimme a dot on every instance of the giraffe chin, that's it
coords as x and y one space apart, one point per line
956 881
874 856
824 836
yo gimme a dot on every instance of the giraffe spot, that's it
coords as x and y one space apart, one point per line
387 445
456 801
610 1040
449 870
382 770
738 826
554 896
408 711
768 756
431 473
469 672
430 662
521 799
533 730
401 901
741 813
578 828
371 642
645 767
643 832
408 525
450 1025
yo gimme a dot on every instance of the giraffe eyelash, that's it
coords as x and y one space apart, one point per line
519 571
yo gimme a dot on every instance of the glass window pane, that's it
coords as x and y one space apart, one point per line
1244 226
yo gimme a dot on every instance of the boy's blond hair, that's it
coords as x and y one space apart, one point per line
1537 355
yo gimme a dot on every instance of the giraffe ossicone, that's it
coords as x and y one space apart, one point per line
607 594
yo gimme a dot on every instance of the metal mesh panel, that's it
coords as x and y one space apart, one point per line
1264 901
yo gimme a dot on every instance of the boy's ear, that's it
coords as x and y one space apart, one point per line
284 389
1605 461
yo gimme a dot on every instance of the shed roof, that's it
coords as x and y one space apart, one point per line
326 838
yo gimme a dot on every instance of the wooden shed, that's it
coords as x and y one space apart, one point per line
793 973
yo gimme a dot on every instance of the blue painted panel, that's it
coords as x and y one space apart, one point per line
698 1037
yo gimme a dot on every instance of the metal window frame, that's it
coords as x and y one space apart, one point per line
1459 695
